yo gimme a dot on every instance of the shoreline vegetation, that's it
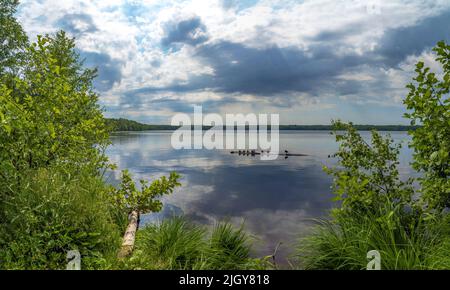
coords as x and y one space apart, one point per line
126 125
54 199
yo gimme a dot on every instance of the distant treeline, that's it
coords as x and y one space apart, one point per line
358 127
130 125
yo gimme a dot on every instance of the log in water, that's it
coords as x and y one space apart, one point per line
253 152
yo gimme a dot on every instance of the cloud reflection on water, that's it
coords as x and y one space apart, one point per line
276 199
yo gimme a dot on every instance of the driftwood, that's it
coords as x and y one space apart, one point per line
129 236
253 153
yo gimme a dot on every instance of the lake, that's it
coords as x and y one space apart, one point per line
275 199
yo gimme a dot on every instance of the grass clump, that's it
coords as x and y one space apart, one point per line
344 244
228 246
176 243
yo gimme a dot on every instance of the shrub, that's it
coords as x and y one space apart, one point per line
428 104
55 212
378 211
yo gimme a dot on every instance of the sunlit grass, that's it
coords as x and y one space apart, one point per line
178 244
344 244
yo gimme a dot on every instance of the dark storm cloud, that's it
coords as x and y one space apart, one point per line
109 69
176 105
190 31
265 72
167 103
274 71
398 43
337 35
77 24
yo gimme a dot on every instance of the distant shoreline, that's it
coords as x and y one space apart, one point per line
125 125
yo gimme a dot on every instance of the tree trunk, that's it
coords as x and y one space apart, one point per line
129 236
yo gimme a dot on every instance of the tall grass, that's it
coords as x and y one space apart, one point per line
228 247
173 244
178 244
344 243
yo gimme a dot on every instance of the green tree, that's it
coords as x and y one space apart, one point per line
129 198
52 137
429 105
366 178
134 202
52 131
62 49
51 114
13 40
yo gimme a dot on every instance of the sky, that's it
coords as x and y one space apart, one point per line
310 61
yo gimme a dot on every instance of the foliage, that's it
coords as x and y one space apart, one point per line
130 125
178 244
52 131
129 198
54 212
51 114
429 104
228 246
377 212
366 177
344 243
52 136
377 209
174 244
13 41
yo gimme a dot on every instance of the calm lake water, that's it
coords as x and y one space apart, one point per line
275 200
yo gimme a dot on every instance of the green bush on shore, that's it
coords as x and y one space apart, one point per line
52 213
409 226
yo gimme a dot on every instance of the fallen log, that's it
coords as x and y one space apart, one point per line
129 236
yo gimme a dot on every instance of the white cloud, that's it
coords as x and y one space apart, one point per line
130 32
